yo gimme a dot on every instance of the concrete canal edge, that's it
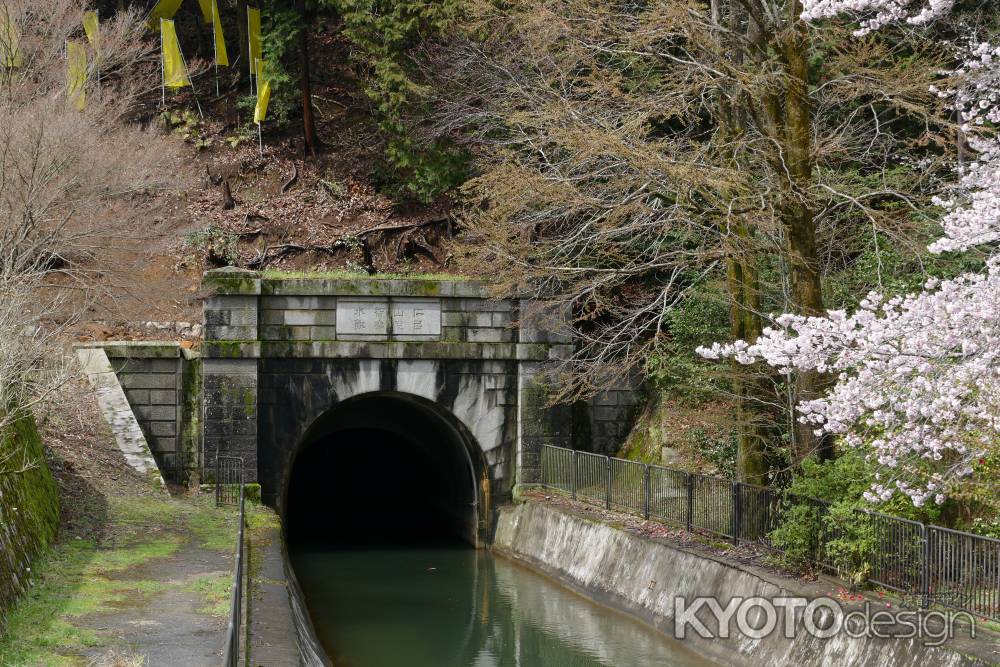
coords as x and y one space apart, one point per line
643 576
280 630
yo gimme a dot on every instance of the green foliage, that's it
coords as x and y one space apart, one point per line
385 33
674 367
218 245
280 29
188 125
885 266
851 533
718 449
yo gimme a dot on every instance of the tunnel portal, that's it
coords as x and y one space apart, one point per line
385 468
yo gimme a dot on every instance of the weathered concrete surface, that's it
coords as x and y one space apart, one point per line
643 576
277 635
116 410
170 629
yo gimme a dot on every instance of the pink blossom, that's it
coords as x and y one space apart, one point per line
918 375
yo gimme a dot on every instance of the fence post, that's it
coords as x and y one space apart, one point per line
737 514
645 491
925 569
218 479
607 489
573 474
690 500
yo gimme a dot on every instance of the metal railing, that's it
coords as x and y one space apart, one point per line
231 653
932 564
228 480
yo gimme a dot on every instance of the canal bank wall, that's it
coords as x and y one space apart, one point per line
642 577
29 509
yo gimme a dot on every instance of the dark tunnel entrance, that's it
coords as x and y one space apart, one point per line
383 470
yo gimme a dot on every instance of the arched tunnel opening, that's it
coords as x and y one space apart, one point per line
383 470
381 509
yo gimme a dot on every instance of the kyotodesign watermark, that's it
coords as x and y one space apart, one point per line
821 617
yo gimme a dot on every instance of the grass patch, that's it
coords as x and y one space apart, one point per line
81 577
70 582
215 589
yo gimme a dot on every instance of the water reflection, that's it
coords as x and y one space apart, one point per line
436 607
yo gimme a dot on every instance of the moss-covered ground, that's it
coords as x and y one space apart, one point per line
81 579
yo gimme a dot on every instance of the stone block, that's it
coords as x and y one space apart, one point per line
155 412
231 332
477 305
165 429
215 318
231 302
322 333
488 335
137 396
163 397
148 381
163 444
611 413
606 398
308 318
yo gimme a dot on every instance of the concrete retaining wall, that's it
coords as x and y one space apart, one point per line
642 577
161 382
29 509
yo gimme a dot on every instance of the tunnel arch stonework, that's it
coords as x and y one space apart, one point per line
280 352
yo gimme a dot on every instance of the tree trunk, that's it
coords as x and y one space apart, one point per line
308 120
798 217
753 419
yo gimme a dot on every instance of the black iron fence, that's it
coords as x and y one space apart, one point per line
933 565
231 653
228 480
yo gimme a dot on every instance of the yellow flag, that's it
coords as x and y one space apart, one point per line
92 27
175 75
10 42
253 21
76 74
164 9
221 57
206 10
263 93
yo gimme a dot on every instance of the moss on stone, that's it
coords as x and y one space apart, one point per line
29 508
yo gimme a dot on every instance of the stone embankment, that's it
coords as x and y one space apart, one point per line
644 576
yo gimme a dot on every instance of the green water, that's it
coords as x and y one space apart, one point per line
440 607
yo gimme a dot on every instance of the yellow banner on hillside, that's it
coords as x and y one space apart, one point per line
175 74
164 9
206 10
10 42
221 56
253 24
76 74
92 26
263 93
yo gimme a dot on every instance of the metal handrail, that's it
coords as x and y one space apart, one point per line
949 567
231 654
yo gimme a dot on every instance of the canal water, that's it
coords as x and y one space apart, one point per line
439 606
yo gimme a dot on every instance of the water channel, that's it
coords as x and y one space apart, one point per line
442 605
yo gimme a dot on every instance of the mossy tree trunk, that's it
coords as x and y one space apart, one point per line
798 217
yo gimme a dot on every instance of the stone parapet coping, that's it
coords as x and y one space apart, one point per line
240 282
216 349
140 349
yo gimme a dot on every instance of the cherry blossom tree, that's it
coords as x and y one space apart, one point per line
918 375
